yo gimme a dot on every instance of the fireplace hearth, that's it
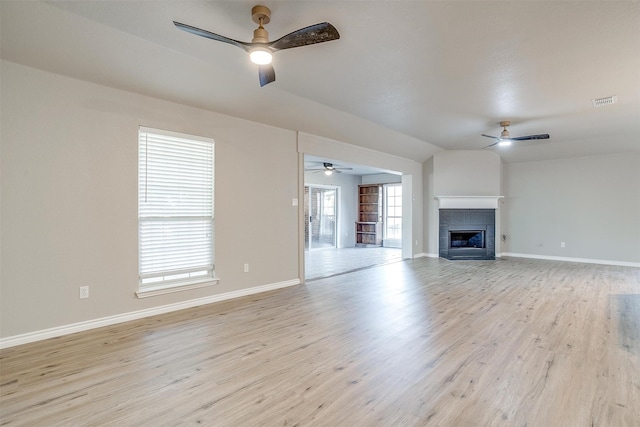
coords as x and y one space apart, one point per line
467 234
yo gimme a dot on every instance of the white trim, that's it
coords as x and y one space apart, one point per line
139 314
173 134
468 202
421 255
568 259
171 288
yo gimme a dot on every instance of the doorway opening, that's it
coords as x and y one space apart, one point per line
331 240
321 216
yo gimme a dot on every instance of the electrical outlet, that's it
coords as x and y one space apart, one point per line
562 244
246 268
84 292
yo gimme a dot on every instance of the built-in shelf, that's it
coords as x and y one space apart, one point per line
369 224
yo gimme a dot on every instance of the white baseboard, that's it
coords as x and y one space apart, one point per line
432 255
139 314
568 259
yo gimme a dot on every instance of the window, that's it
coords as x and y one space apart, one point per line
393 215
175 211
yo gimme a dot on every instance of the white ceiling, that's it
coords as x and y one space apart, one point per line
406 77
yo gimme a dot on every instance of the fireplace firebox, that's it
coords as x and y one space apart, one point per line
467 234
466 239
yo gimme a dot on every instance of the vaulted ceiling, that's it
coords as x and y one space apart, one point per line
406 77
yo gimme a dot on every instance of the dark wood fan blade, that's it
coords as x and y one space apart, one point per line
489 136
491 145
318 33
530 137
266 73
213 36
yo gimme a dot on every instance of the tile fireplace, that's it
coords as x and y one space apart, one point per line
467 234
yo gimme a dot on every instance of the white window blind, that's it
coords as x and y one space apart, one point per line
175 208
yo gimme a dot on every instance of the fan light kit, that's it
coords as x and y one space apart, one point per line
260 56
505 139
261 49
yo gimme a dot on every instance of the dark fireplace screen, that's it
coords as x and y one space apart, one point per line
466 239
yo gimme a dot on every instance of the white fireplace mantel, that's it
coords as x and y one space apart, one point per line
468 202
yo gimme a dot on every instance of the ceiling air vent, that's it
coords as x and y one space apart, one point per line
601 102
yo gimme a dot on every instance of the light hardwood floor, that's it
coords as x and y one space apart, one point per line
425 342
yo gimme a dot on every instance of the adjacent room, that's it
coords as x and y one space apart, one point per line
389 213
353 217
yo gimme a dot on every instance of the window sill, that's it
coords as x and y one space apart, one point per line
161 290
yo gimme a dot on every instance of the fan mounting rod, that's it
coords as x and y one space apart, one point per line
505 132
261 15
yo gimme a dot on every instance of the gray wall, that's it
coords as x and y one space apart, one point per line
467 173
592 204
381 178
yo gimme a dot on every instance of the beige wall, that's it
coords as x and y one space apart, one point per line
69 199
430 217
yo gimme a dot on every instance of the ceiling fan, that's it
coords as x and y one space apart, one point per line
328 169
505 139
261 49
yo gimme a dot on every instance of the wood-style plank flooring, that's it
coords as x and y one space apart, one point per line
425 342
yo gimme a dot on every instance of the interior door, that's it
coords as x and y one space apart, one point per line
321 217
